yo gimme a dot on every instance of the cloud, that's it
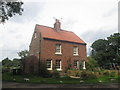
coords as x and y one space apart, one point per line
31 11
89 19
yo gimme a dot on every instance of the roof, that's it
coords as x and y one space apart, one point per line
50 33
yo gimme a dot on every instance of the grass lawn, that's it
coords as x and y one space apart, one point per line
63 80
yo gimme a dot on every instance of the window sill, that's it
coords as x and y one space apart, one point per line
59 53
49 68
75 54
59 69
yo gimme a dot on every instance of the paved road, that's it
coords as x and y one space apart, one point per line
31 85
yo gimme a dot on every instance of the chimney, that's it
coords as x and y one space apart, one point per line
57 25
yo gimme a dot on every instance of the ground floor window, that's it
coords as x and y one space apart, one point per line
76 64
49 64
58 64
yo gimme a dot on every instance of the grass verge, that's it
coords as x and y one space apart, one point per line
61 80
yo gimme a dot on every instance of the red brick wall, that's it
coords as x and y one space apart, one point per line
48 52
30 65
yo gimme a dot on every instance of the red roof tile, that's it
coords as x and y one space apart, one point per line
48 32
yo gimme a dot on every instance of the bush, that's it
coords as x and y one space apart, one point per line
43 71
91 64
106 73
75 73
56 74
87 74
6 69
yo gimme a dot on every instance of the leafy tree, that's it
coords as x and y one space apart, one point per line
107 51
16 62
6 62
9 8
23 53
114 43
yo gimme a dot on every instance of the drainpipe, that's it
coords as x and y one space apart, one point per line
39 53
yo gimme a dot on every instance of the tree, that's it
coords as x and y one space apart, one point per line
114 42
107 51
6 62
16 62
23 53
8 9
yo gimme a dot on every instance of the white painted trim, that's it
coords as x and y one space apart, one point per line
60 69
76 54
51 66
76 50
84 65
77 64
58 53
60 50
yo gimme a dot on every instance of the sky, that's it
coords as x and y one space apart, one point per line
89 19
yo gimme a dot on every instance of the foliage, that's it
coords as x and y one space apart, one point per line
65 80
8 65
23 53
16 62
56 74
43 72
6 62
6 69
86 74
91 64
69 66
107 51
9 8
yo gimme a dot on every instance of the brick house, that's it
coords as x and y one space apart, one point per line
57 48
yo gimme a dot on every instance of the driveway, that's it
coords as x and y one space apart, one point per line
32 85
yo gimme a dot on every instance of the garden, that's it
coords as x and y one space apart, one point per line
71 77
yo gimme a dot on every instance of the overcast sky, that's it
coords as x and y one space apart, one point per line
89 19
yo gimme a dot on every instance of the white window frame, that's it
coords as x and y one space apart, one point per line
77 64
75 51
50 64
59 69
56 52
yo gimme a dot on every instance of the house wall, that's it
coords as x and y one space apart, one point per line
30 65
35 44
48 52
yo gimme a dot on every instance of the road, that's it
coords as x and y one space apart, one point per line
32 85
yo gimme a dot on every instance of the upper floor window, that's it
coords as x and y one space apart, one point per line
58 49
75 50
49 64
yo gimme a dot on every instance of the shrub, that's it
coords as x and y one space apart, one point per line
106 73
87 74
75 73
43 71
6 69
91 64
56 74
